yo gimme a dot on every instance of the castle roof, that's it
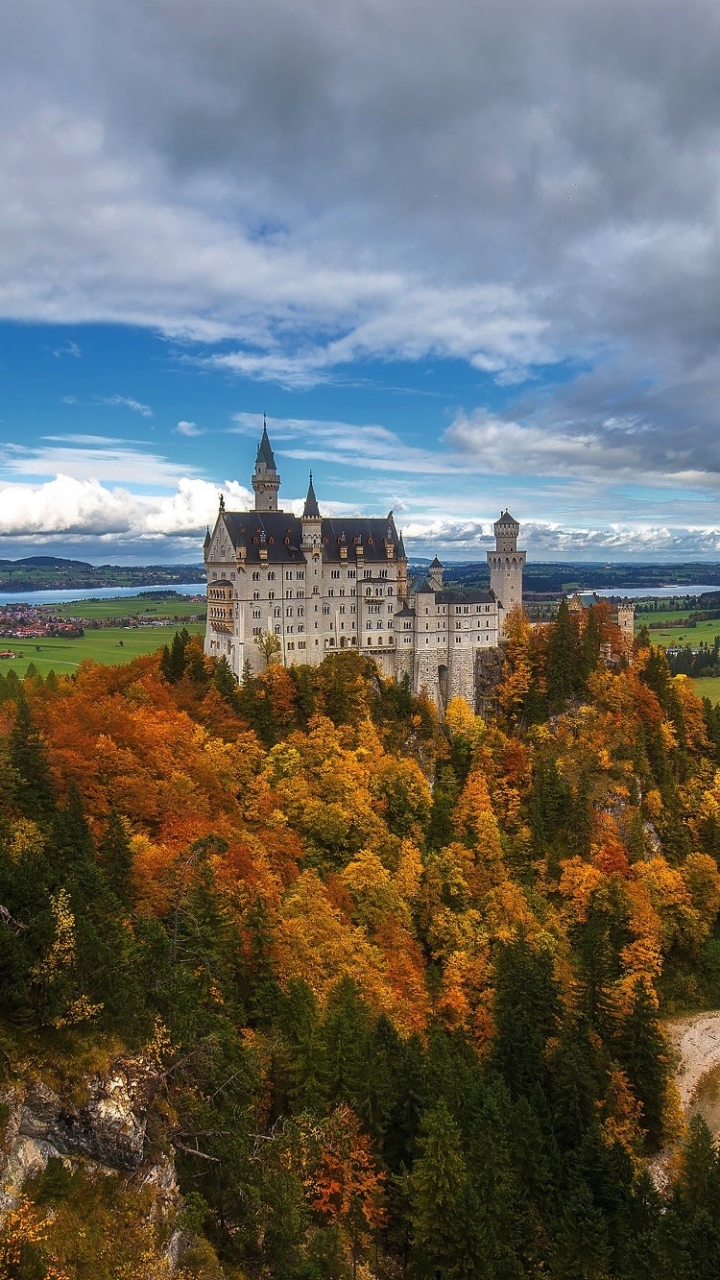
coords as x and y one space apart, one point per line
465 597
446 596
265 453
506 518
436 564
405 611
280 534
311 510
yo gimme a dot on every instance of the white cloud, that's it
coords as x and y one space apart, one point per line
70 506
104 460
125 402
68 348
187 429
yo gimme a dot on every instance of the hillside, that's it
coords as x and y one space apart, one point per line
297 982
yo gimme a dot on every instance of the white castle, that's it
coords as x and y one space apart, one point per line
321 584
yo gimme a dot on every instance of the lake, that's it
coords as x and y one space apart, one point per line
651 593
97 593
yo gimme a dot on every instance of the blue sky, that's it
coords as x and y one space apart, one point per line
463 258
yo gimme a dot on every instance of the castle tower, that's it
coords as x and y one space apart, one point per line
506 563
626 623
311 521
265 481
435 575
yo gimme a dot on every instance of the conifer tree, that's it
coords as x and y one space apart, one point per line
440 1198
34 788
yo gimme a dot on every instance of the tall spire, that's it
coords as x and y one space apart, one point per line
311 510
265 453
266 480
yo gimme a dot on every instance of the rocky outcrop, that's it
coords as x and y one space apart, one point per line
107 1129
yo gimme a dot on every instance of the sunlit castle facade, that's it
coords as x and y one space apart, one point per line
322 584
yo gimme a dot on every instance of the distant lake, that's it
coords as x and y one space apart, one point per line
98 593
651 593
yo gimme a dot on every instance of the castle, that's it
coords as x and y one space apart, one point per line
320 584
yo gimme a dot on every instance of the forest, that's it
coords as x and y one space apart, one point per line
401 979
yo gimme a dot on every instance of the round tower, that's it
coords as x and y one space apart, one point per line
265 481
506 563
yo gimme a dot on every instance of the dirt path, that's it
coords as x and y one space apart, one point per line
696 1040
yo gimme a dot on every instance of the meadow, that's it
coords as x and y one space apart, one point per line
109 646
679 633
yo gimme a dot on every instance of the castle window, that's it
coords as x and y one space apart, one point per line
289 631
256 576
353 608
256 631
342 591
331 591
256 613
301 628
368 573
390 591
256 595
288 575
334 573
276 613
271 595
290 645
271 577
458 626
316 591
289 595
301 644
380 625
383 573
342 608
289 613
301 612
326 608
351 573
278 631
368 591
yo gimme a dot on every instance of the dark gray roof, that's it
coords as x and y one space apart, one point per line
465 597
311 510
281 533
506 518
436 564
405 611
265 453
422 587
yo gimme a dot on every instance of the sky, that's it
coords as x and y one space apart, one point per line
463 255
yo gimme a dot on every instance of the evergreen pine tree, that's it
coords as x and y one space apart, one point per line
439 1192
34 789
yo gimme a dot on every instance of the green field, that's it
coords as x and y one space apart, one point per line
681 634
175 608
109 646
708 687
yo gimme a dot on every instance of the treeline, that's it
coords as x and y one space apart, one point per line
403 978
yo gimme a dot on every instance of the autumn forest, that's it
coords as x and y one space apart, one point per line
400 980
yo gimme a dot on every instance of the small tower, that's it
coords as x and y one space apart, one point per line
435 575
506 563
265 481
626 623
311 521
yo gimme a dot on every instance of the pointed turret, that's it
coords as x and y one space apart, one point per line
311 510
311 521
435 575
265 481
